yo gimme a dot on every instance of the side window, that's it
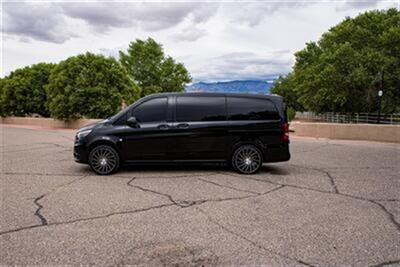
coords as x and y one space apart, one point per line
154 110
242 108
200 108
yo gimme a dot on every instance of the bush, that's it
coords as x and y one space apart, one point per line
89 85
291 113
23 91
1 96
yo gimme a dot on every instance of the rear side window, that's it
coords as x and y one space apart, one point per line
242 108
154 110
200 108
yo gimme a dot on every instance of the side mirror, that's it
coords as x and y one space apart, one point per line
132 122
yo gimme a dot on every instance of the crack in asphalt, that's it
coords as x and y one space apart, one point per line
389 215
229 187
255 244
44 174
385 200
169 177
386 263
180 204
333 183
85 219
321 170
43 220
189 203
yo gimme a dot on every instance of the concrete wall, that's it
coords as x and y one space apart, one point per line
369 132
47 122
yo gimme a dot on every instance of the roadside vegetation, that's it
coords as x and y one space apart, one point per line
90 85
343 71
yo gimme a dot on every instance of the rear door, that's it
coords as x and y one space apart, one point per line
200 128
253 118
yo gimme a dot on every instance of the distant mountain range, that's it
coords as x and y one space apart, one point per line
246 86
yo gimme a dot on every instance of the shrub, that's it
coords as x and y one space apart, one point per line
89 85
23 91
291 113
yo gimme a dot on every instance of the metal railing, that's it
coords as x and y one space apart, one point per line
350 118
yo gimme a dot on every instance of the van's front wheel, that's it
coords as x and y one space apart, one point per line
247 159
103 159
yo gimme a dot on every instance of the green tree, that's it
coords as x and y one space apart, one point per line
89 85
153 71
2 81
23 91
342 71
283 86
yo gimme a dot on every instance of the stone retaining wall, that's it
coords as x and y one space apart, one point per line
368 132
47 122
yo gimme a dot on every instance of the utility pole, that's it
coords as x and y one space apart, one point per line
380 94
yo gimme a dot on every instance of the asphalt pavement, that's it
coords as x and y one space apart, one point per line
335 203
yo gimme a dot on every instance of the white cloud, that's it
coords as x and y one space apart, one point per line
35 21
215 41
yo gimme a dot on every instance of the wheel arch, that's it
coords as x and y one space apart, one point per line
248 141
108 142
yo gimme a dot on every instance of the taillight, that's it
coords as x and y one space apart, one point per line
285 128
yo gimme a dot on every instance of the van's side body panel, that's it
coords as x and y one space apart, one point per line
194 127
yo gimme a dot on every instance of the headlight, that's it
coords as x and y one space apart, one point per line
82 134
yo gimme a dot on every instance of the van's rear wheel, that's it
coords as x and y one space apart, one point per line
247 159
103 159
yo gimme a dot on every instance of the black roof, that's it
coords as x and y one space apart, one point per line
271 97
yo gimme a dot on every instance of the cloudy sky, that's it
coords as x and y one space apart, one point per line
216 41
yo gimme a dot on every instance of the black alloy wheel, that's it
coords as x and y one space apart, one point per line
247 159
104 160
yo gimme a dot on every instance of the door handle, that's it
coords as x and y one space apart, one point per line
182 126
163 127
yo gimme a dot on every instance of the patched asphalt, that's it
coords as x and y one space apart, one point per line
335 203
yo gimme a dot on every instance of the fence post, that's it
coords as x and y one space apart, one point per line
356 117
367 117
391 118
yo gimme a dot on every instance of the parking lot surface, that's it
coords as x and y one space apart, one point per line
334 203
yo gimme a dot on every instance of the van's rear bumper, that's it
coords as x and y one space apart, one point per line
277 153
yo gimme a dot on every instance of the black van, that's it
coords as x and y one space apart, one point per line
242 130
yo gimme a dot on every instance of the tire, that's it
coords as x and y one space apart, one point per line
104 160
247 159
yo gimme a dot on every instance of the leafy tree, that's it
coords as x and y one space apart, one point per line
342 71
23 91
154 72
89 85
2 80
283 86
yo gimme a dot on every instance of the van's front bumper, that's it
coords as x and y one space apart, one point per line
80 151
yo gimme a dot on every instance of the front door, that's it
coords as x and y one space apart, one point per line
149 141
